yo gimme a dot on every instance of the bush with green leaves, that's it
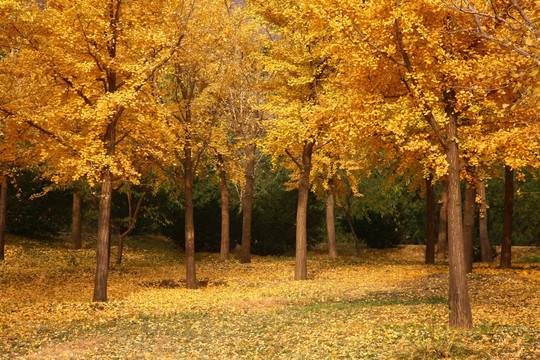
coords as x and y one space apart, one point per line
35 208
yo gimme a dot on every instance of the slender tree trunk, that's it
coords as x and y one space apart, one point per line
468 223
485 246
330 222
458 295
506 246
430 211
120 248
247 212
443 222
191 278
300 265
225 212
103 237
76 228
3 208
351 227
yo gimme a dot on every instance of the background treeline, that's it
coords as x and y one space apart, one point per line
388 213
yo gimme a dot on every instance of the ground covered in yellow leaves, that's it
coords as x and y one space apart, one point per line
384 305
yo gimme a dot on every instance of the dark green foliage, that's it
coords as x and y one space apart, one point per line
477 253
33 212
388 213
526 217
274 216
378 231
207 219
156 211
274 221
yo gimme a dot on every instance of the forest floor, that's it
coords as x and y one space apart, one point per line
384 305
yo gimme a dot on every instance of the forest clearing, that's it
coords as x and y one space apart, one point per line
386 304
191 138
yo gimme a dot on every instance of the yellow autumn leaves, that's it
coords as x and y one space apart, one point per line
385 305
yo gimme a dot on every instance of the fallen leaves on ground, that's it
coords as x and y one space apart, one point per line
385 305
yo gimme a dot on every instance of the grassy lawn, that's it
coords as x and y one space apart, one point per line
384 305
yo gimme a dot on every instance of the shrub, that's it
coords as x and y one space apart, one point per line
35 213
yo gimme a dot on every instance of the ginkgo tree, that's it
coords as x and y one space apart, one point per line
512 26
239 94
85 67
441 78
183 99
300 98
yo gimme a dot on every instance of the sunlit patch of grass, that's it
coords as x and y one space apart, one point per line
532 259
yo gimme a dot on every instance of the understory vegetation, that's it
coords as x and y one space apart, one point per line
385 304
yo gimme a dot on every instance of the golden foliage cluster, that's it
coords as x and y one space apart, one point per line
384 305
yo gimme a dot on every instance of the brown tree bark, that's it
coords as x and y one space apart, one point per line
506 246
330 222
247 211
76 228
105 201
3 208
430 211
189 229
485 245
300 263
469 207
225 251
443 222
458 294
103 237
351 227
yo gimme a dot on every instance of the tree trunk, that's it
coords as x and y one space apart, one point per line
506 246
468 226
300 264
76 228
189 229
225 213
443 222
351 227
120 248
430 211
3 208
247 211
485 246
330 223
103 237
458 295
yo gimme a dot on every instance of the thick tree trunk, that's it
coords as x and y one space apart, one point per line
506 246
103 237
247 211
468 223
458 295
300 264
189 229
225 251
485 246
330 222
3 208
76 228
443 222
430 211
